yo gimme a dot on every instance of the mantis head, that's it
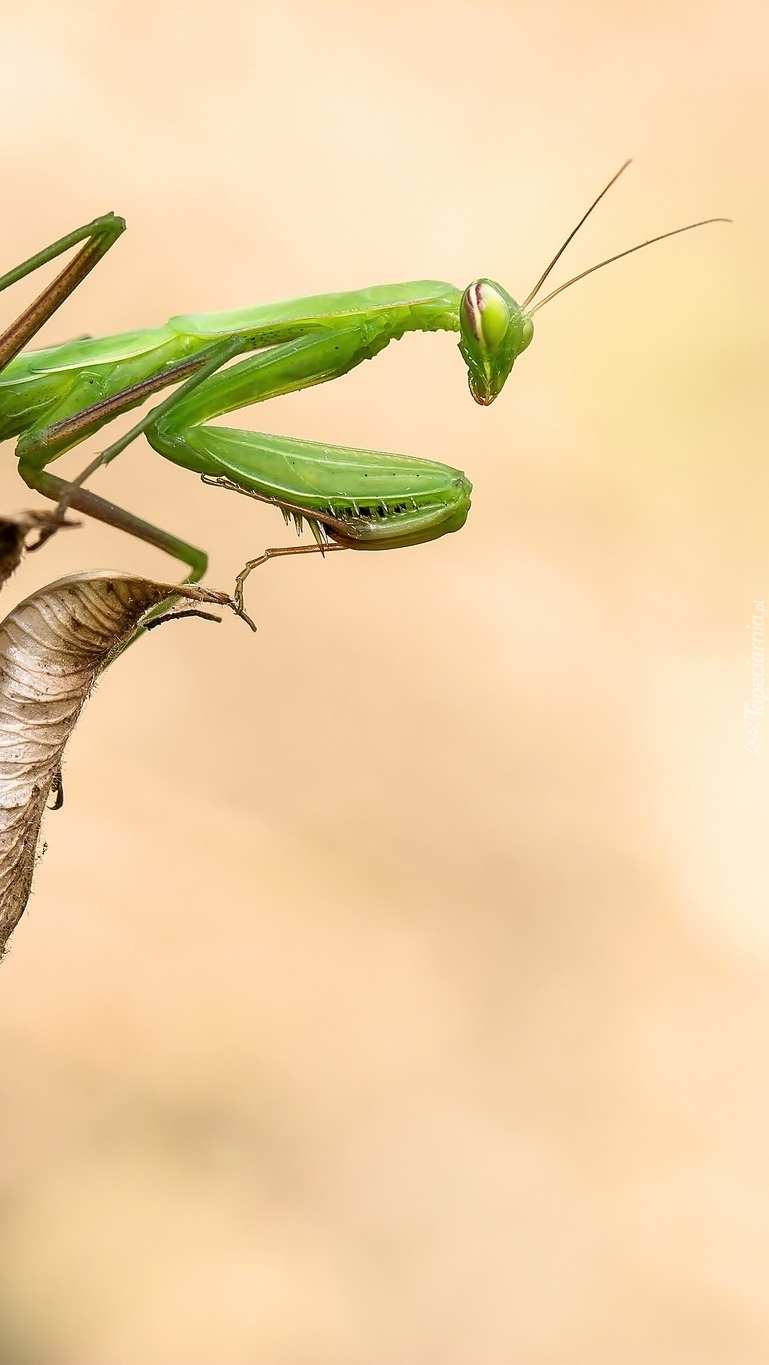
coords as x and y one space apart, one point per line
494 329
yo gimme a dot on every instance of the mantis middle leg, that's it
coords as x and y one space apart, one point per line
295 362
44 443
172 426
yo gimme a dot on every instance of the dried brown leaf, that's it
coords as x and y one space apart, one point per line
15 527
52 647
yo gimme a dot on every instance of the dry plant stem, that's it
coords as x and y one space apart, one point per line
52 648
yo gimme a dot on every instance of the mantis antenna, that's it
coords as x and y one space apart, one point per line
573 233
610 259
638 247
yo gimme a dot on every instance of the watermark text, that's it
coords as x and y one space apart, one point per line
754 711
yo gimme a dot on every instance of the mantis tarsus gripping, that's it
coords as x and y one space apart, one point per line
51 400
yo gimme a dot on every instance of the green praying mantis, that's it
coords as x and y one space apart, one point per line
52 399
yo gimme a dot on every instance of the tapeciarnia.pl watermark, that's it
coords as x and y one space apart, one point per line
754 711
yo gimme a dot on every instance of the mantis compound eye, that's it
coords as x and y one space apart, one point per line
493 331
485 314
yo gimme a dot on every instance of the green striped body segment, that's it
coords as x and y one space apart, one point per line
418 305
45 386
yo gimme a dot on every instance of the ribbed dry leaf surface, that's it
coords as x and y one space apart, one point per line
52 646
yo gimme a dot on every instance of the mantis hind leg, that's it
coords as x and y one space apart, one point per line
92 506
99 236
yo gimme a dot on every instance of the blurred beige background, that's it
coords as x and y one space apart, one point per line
394 989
